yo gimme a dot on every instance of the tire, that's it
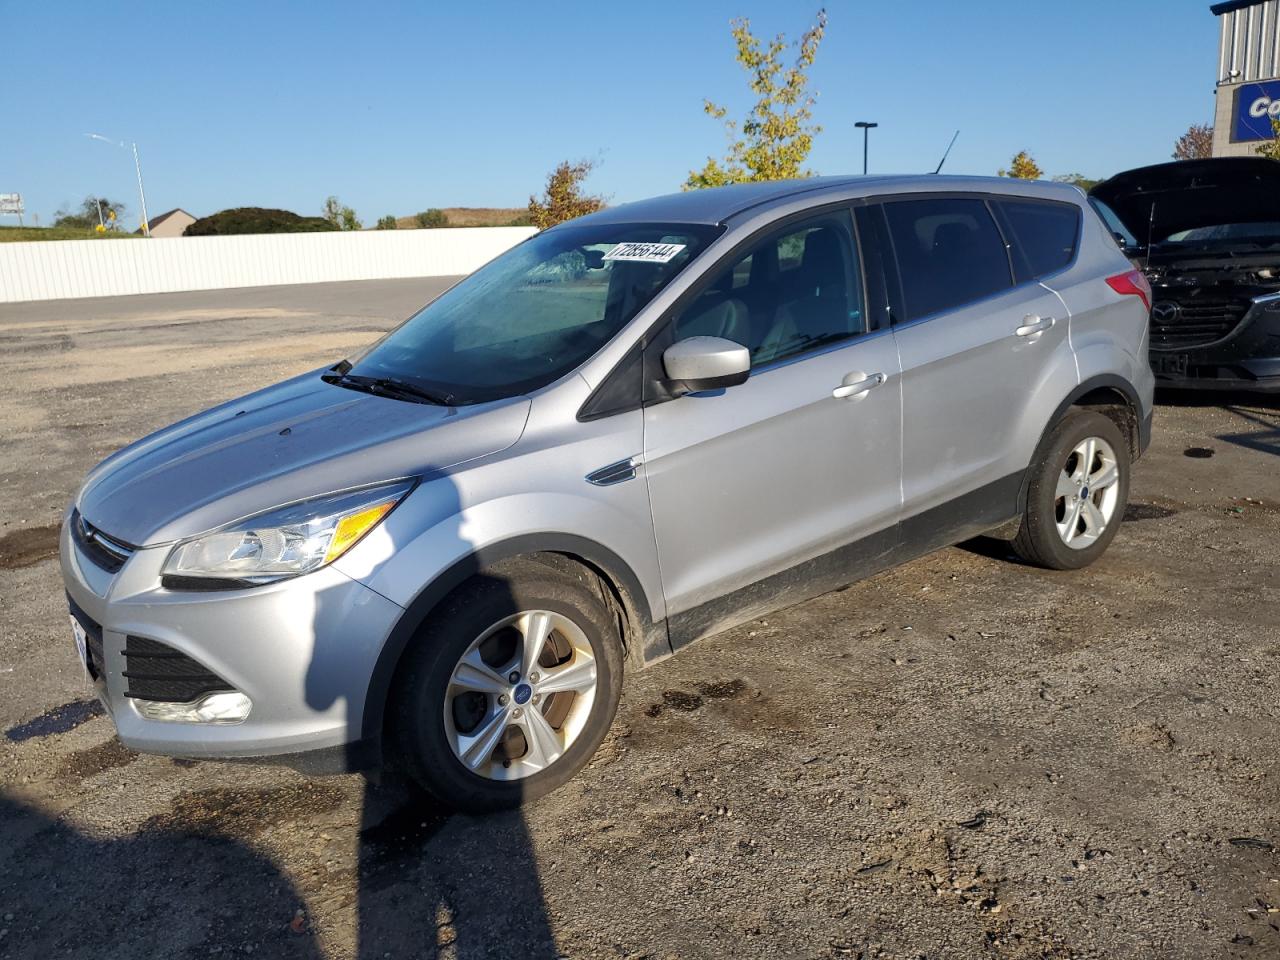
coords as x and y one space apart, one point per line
440 715
1048 537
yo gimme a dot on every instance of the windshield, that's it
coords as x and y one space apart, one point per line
535 313
1259 232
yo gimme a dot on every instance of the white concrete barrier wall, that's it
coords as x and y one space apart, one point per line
58 269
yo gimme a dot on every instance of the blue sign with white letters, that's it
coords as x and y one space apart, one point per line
1256 105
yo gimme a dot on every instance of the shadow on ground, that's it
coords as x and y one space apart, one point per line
65 892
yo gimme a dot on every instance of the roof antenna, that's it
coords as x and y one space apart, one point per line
938 169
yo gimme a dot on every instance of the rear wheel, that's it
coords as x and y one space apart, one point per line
1077 494
510 687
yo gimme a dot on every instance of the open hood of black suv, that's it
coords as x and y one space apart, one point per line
1193 193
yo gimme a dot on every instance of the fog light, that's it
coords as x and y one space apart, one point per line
215 708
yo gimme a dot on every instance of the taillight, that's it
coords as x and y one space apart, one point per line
1132 284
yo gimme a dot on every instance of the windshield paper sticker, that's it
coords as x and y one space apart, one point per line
645 252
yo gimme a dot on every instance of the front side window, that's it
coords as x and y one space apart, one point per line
535 313
798 289
949 253
1042 235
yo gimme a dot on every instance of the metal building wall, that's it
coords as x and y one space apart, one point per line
1248 52
1249 48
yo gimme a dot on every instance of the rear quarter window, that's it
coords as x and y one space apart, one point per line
1043 236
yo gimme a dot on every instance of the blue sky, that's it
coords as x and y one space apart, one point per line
400 107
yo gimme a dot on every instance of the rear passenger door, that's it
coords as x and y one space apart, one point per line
981 343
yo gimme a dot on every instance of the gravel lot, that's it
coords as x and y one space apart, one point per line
963 757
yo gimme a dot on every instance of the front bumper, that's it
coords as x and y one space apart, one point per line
1247 358
302 650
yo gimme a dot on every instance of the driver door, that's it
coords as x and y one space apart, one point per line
789 484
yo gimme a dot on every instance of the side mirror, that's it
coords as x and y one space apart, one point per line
705 363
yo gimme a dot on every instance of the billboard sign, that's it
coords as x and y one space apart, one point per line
1256 105
11 203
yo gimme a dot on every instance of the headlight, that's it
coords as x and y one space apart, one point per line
287 541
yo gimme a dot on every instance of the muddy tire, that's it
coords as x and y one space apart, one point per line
1077 493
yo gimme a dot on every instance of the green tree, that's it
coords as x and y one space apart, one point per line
564 198
1271 148
1195 144
240 220
774 139
1023 167
86 215
387 223
342 217
428 219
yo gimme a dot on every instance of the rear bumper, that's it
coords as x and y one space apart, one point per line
1219 378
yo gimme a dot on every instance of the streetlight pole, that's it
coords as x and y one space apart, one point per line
146 224
865 127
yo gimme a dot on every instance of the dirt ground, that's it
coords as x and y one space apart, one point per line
963 757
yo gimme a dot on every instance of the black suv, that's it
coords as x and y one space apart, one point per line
1207 235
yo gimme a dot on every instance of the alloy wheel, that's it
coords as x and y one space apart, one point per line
1087 493
520 695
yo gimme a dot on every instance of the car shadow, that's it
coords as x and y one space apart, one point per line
159 891
1264 440
431 882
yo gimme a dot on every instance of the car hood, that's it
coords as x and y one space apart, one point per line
1188 194
298 439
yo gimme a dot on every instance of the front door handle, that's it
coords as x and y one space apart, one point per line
1032 325
858 387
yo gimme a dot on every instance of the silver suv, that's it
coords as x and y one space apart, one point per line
629 432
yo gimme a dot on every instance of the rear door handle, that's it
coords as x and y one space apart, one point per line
1032 325
858 387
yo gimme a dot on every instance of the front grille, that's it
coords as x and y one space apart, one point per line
1195 321
93 640
106 552
158 672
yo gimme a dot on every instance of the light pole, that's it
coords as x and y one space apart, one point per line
146 226
865 126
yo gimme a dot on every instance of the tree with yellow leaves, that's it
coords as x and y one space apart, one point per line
1271 148
774 140
564 198
1023 167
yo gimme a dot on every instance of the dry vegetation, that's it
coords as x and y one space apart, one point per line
471 217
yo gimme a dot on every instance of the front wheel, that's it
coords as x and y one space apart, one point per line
1077 493
510 687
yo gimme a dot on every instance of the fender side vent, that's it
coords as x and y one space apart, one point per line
614 472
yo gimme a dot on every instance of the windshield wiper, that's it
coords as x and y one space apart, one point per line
389 387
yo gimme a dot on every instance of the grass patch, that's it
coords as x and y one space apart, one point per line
13 234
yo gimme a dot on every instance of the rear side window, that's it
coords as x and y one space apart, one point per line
1042 236
949 253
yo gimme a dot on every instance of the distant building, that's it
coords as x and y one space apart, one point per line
1248 93
170 224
